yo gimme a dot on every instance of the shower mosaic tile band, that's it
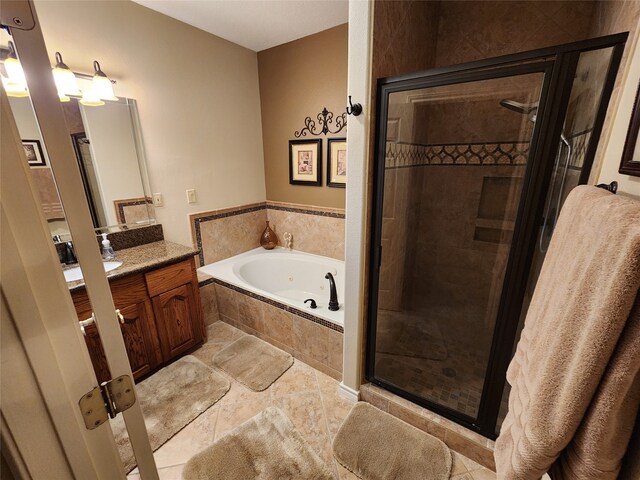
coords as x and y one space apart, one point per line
400 155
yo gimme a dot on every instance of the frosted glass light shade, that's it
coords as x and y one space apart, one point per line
101 84
90 98
66 82
14 70
14 89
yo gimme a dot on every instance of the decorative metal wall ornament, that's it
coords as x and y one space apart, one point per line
325 118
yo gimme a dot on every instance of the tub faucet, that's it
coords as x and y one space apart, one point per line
333 294
288 241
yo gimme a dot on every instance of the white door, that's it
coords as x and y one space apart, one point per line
35 294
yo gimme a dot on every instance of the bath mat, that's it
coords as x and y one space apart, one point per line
170 399
377 446
409 335
265 447
253 362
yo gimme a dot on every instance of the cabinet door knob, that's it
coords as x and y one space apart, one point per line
120 316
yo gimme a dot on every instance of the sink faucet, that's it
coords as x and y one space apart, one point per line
333 298
70 256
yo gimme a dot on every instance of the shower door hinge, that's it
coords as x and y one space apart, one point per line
17 14
106 401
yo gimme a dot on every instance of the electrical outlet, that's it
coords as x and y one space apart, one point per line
157 200
191 196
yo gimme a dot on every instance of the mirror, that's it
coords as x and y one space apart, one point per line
110 158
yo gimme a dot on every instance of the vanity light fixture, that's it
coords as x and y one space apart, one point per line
101 85
65 80
14 83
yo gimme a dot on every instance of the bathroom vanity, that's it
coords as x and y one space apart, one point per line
157 297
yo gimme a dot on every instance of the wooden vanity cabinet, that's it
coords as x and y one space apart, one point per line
161 317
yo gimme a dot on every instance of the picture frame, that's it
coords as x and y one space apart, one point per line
305 162
630 162
33 152
337 163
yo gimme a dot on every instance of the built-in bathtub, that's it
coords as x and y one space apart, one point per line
263 292
288 277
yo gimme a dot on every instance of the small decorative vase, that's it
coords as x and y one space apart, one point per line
268 239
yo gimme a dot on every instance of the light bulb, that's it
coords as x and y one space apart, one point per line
101 84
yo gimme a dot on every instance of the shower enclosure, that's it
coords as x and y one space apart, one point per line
473 163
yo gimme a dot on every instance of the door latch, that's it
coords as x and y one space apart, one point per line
106 401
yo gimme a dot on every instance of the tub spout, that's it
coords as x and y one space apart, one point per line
333 298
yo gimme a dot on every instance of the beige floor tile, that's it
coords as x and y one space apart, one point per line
238 393
300 378
196 436
458 466
470 465
483 474
308 397
306 412
233 414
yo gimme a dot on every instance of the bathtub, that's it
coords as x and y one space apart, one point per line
288 277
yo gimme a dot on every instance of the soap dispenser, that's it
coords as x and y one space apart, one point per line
107 249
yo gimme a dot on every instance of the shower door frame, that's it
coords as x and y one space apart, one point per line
558 65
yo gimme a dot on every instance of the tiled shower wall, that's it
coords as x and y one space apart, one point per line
221 234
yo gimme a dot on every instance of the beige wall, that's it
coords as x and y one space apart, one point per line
298 79
614 17
197 94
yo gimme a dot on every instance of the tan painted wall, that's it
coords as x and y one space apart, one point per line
614 17
197 94
298 79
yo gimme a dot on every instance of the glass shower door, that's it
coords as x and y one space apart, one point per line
455 164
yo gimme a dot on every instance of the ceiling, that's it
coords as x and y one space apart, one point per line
255 24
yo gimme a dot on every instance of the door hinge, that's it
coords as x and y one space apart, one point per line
106 401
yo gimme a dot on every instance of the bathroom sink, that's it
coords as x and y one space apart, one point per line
75 273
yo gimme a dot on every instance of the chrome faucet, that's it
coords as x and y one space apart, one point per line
333 294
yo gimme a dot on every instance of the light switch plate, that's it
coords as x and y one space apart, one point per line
157 200
191 196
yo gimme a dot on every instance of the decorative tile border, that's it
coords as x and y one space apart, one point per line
281 306
400 155
196 219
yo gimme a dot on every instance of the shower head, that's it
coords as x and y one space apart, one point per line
524 108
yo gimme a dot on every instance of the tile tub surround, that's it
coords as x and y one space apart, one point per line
317 344
223 233
457 438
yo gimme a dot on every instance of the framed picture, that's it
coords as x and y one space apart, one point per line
305 162
630 164
337 163
33 152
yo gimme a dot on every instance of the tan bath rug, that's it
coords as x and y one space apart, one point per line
377 446
170 399
253 363
265 447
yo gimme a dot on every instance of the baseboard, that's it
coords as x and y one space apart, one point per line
348 393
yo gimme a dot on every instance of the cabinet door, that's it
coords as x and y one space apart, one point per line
176 314
96 352
140 338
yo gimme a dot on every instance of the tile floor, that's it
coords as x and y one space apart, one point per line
310 399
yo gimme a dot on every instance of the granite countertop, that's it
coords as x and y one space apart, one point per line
143 258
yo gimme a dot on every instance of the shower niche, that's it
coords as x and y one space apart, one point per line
472 165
